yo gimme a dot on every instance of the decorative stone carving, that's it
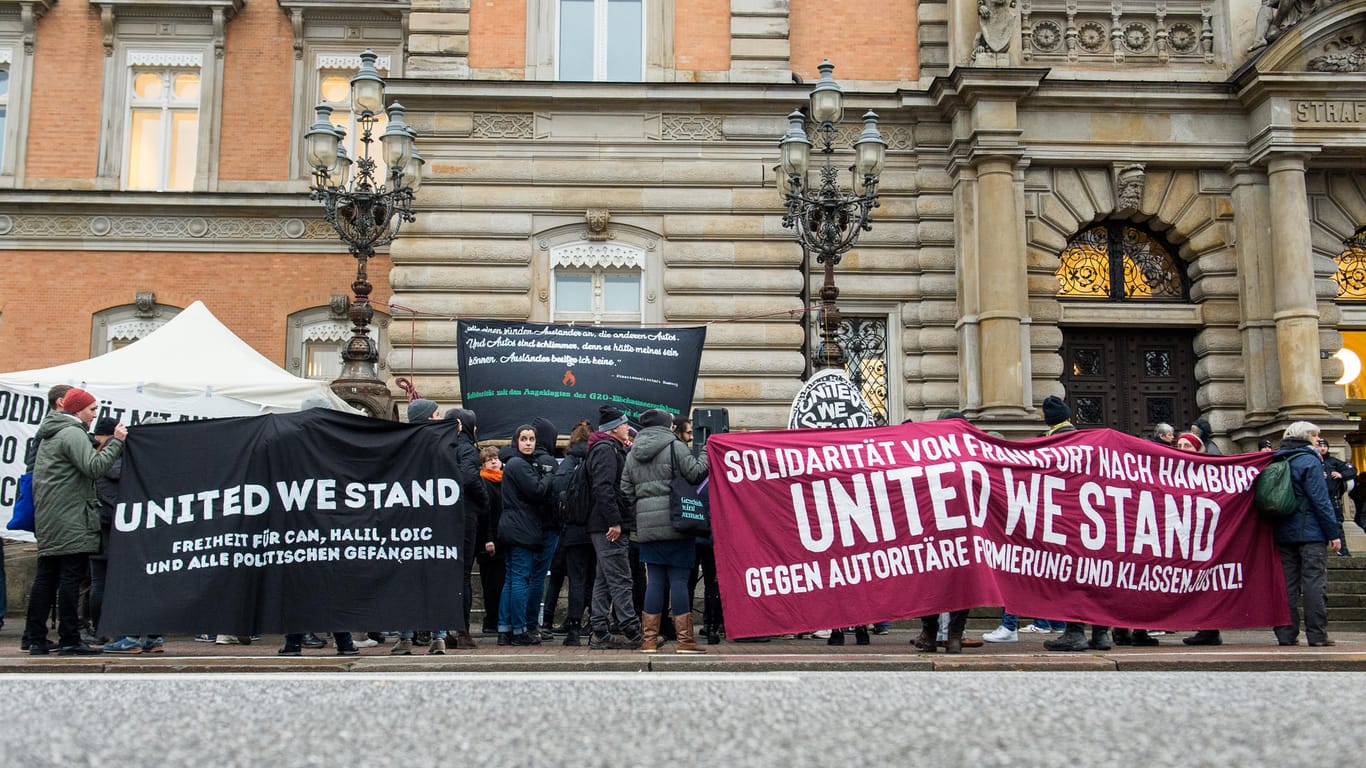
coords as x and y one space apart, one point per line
597 219
146 303
1125 32
1345 54
691 128
597 255
337 305
1276 16
998 25
166 227
498 125
1129 181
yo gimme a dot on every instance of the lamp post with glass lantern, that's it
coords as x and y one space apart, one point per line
366 209
828 218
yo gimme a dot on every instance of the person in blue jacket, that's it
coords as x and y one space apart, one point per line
1305 538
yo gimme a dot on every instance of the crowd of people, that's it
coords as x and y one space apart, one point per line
629 574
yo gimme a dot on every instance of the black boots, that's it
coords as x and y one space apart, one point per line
1072 639
571 633
1100 638
1204 637
713 634
1142 638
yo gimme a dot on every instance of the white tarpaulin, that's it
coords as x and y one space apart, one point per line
192 367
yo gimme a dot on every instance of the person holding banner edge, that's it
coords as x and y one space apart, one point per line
67 531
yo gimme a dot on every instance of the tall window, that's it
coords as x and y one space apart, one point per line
315 338
864 341
1350 277
334 89
4 106
602 40
163 127
1117 261
597 282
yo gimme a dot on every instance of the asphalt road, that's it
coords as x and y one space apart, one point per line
978 719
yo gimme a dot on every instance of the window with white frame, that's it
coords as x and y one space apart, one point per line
4 99
117 327
597 282
315 338
334 89
601 40
163 120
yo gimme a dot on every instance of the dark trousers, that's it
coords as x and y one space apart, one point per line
471 534
638 578
1306 579
580 563
492 573
58 579
711 590
958 621
99 571
554 585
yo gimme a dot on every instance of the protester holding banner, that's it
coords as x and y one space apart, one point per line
476 508
1339 474
656 458
1301 537
1058 416
526 508
492 559
705 570
55 396
609 526
67 527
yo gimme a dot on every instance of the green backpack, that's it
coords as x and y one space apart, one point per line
1274 493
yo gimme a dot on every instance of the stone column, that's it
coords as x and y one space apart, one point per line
1001 287
1256 288
1297 315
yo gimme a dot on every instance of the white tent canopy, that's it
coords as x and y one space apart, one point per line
193 354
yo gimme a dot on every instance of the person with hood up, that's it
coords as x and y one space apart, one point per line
655 459
476 508
68 519
1202 428
526 513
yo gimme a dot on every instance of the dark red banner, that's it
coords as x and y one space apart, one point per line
834 528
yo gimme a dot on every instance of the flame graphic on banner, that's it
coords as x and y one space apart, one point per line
569 379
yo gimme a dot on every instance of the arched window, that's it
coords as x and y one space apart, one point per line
597 282
1119 261
117 327
316 336
1351 274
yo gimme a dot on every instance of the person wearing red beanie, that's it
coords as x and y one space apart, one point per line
77 400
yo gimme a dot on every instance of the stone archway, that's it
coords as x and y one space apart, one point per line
1193 212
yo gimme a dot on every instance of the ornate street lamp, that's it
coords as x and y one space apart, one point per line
827 217
366 210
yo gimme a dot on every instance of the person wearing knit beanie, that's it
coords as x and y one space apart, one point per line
1055 411
77 400
656 418
609 418
421 409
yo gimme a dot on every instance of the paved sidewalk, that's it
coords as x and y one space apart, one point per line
1243 650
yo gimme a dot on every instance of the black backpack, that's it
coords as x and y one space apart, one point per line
572 491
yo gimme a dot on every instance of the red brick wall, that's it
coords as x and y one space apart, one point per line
45 316
866 40
702 35
498 34
258 95
68 86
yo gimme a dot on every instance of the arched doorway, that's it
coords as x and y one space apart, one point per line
1121 375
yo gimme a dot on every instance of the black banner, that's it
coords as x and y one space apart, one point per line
511 373
311 521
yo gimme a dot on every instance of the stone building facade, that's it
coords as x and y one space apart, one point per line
1151 210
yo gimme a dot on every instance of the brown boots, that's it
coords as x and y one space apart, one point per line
687 641
649 630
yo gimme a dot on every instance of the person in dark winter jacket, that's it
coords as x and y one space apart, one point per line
492 555
476 508
1338 474
67 520
526 513
1202 428
576 548
655 459
609 527
1301 538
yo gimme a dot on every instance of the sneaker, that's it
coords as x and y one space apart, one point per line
368 642
80 649
1002 635
313 641
882 628
42 648
821 634
438 647
124 645
403 647
205 638
1036 629
290 650
349 650
228 640
154 644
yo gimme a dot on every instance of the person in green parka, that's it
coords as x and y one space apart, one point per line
67 518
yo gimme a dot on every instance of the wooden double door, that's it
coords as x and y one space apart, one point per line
1130 380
